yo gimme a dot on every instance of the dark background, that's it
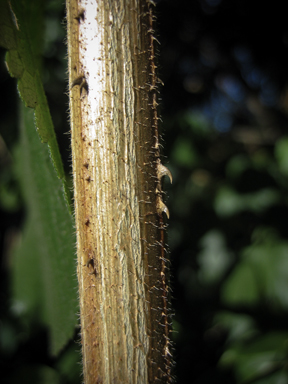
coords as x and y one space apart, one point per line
225 139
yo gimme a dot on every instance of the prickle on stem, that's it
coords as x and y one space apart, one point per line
161 207
163 171
81 81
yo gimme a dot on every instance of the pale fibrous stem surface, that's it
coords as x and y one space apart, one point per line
122 266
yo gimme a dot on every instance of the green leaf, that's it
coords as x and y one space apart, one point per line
68 365
183 153
237 165
241 287
21 33
229 202
281 154
214 258
241 327
258 359
44 280
261 273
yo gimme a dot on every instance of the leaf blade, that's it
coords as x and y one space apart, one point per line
44 279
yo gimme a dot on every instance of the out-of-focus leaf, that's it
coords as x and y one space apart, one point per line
241 287
241 327
236 165
281 153
259 357
68 364
198 123
44 269
228 202
261 160
261 273
214 258
183 153
9 194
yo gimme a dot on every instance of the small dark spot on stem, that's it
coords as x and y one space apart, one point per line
91 262
81 15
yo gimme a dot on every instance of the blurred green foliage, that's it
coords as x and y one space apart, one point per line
225 116
230 253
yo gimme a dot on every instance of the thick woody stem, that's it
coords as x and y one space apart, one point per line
117 172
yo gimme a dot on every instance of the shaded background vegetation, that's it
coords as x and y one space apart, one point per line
225 104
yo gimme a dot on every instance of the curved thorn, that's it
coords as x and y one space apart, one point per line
161 207
166 210
163 171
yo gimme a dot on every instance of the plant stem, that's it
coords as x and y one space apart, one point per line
122 271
